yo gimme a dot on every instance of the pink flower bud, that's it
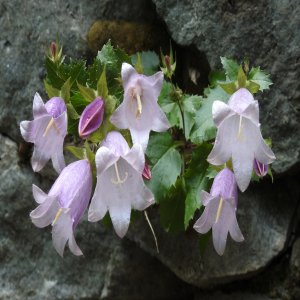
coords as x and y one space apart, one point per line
53 49
91 118
147 172
260 169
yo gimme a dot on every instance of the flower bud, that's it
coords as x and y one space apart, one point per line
91 118
168 62
53 49
260 169
147 172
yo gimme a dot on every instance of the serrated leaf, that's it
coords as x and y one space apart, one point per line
65 90
231 67
78 102
261 78
190 106
171 209
102 88
149 61
215 76
196 180
87 93
166 168
204 129
169 106
51 91
76 151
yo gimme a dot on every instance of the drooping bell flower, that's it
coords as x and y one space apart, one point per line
147 172
220 211
139 111
260 169
239 136
47 131
91 118
120 186
64 205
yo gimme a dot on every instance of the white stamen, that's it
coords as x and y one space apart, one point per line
139 105
50 124
119 180
240 128
57 216
219 210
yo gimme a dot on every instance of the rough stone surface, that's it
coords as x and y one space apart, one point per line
28 27
31 269
267 33
264 214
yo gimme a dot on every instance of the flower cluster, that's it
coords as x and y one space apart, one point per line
239 139
143 142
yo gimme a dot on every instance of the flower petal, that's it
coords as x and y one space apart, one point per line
62 231
252 113
240 100
119 117
58 159
116 143
235 231
225 141
98 207
126 72
136 158
154 82
38 195
104 159
27 131
38 107
220 111
45 213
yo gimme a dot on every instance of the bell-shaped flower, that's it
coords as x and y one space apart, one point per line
260 169
220 211
239 137
91 118
139 111
47 131
64 205
120 186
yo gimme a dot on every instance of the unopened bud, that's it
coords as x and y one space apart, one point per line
53 49
91 118
147 172
168 62
260 169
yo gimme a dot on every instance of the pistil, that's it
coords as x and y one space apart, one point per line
219 210
57 216
240 128
139 105
50 124
119 180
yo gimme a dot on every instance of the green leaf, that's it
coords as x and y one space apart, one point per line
260 77
171 209
196 179
65 91
229 87
231 67
78 102
87 93
102 88
51 91
204 129
191 104
98 135
169 105
76 151
72 113
252 87
215 76
241 78
110 105
149 61
166 162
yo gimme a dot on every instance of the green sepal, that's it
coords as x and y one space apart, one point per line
102 88
229 87
72 113
252 87
78 152
88 94
65 90
241 78
51 91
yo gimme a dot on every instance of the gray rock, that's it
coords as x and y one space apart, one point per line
28 27
266 32
231 296
31 269
264 215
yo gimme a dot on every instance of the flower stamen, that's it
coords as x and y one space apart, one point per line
57 216
50 124
139 105
240 128
119 180
219 210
